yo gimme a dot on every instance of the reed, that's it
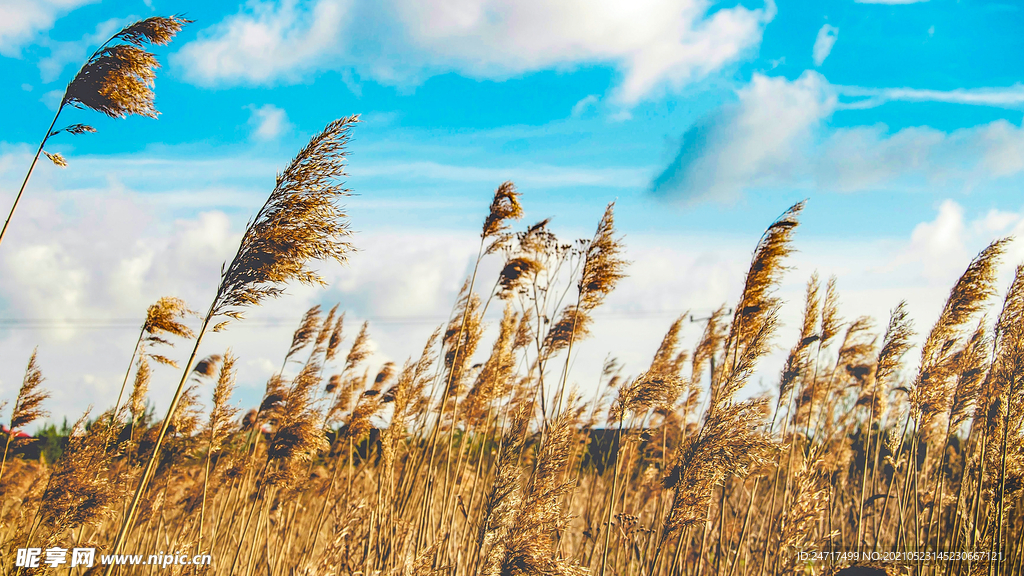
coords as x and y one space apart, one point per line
116 80
476 458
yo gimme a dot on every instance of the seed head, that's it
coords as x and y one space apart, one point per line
27 408
118 78
300 222
504 207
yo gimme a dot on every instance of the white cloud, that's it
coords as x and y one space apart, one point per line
1009 97
775 136
106 254
267 42
866 158
756 140
268 122
935 244
656 44
21 20
995 222
585 103
52 99
64 53
406 281
823 43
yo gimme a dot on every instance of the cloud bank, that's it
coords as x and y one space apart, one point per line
777 134
655 44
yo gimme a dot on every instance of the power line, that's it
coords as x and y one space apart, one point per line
270 322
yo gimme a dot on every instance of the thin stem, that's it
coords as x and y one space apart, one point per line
126 526
31 168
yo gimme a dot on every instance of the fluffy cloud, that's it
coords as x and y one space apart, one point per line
823 43
755 141
20 21
776 135
83 267
872 158
267 42
268 122
656 44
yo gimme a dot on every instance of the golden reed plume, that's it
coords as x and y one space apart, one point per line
300 221
28 406
117 80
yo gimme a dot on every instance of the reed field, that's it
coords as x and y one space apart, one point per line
869 456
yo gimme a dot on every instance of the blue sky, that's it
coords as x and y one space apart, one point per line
899 121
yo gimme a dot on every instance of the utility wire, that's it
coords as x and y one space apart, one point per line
133 323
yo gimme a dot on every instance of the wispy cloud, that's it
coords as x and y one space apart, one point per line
268 122
21 21
585 103
823 43
1009 97
657 45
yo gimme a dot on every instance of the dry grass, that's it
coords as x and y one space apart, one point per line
116 80
465 462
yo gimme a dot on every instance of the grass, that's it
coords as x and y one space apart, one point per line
499 467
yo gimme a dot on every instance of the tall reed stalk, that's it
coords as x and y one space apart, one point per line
116 80
300 221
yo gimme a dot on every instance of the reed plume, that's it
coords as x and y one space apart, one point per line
117 80
526 546
27 406
335 339
163 319
300 221
504 207
797 361
78 491
932 391
360 348
895 345
730 442
299 436
603 268
757 302
710 343
668 360
494 378
137 399
307 330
